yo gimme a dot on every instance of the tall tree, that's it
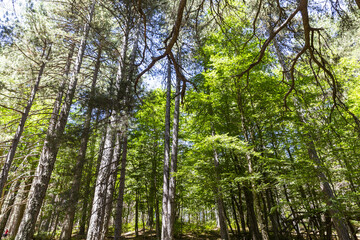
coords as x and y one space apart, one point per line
51 145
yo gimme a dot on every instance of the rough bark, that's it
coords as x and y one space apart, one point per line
51 147
19 208
165 214
97 212
111 186
11 154
80 161
88 190
120 199
9 204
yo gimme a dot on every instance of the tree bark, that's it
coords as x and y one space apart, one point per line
11 154
174 155
97 212
165 230
120 199
111 186
19 208
80 161
9 204
51 147
88 193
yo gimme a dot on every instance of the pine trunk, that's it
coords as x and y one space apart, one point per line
97 212
9 204
11 154
19 208
78 169
120 199
111 186
50 149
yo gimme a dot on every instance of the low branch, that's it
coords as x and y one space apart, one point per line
13 109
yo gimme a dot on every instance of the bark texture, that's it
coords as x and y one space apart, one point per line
51 147
78 169
120 199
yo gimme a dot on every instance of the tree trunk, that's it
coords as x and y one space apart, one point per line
88 178
136 213
234 213
10 156
252 220
51 147
19 208
173 166
241 208
120 199
80 161
219 198
165 230
111 186
9 204
97 212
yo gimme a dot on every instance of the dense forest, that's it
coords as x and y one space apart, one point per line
185 119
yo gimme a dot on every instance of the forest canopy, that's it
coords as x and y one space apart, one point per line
186 119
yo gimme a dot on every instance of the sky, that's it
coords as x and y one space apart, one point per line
11 9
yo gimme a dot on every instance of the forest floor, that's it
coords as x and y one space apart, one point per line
208 235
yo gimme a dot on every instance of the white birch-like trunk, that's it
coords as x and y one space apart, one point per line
174 155
165 213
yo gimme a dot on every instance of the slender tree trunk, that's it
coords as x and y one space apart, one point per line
9 204
241 209
96 219
19 208
88 178
165 230
111 186
157 219
10 156
153 190
273 216
127 105
137 213
234 213
78 169
219 198
120 199
51 147
174 155
252 220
